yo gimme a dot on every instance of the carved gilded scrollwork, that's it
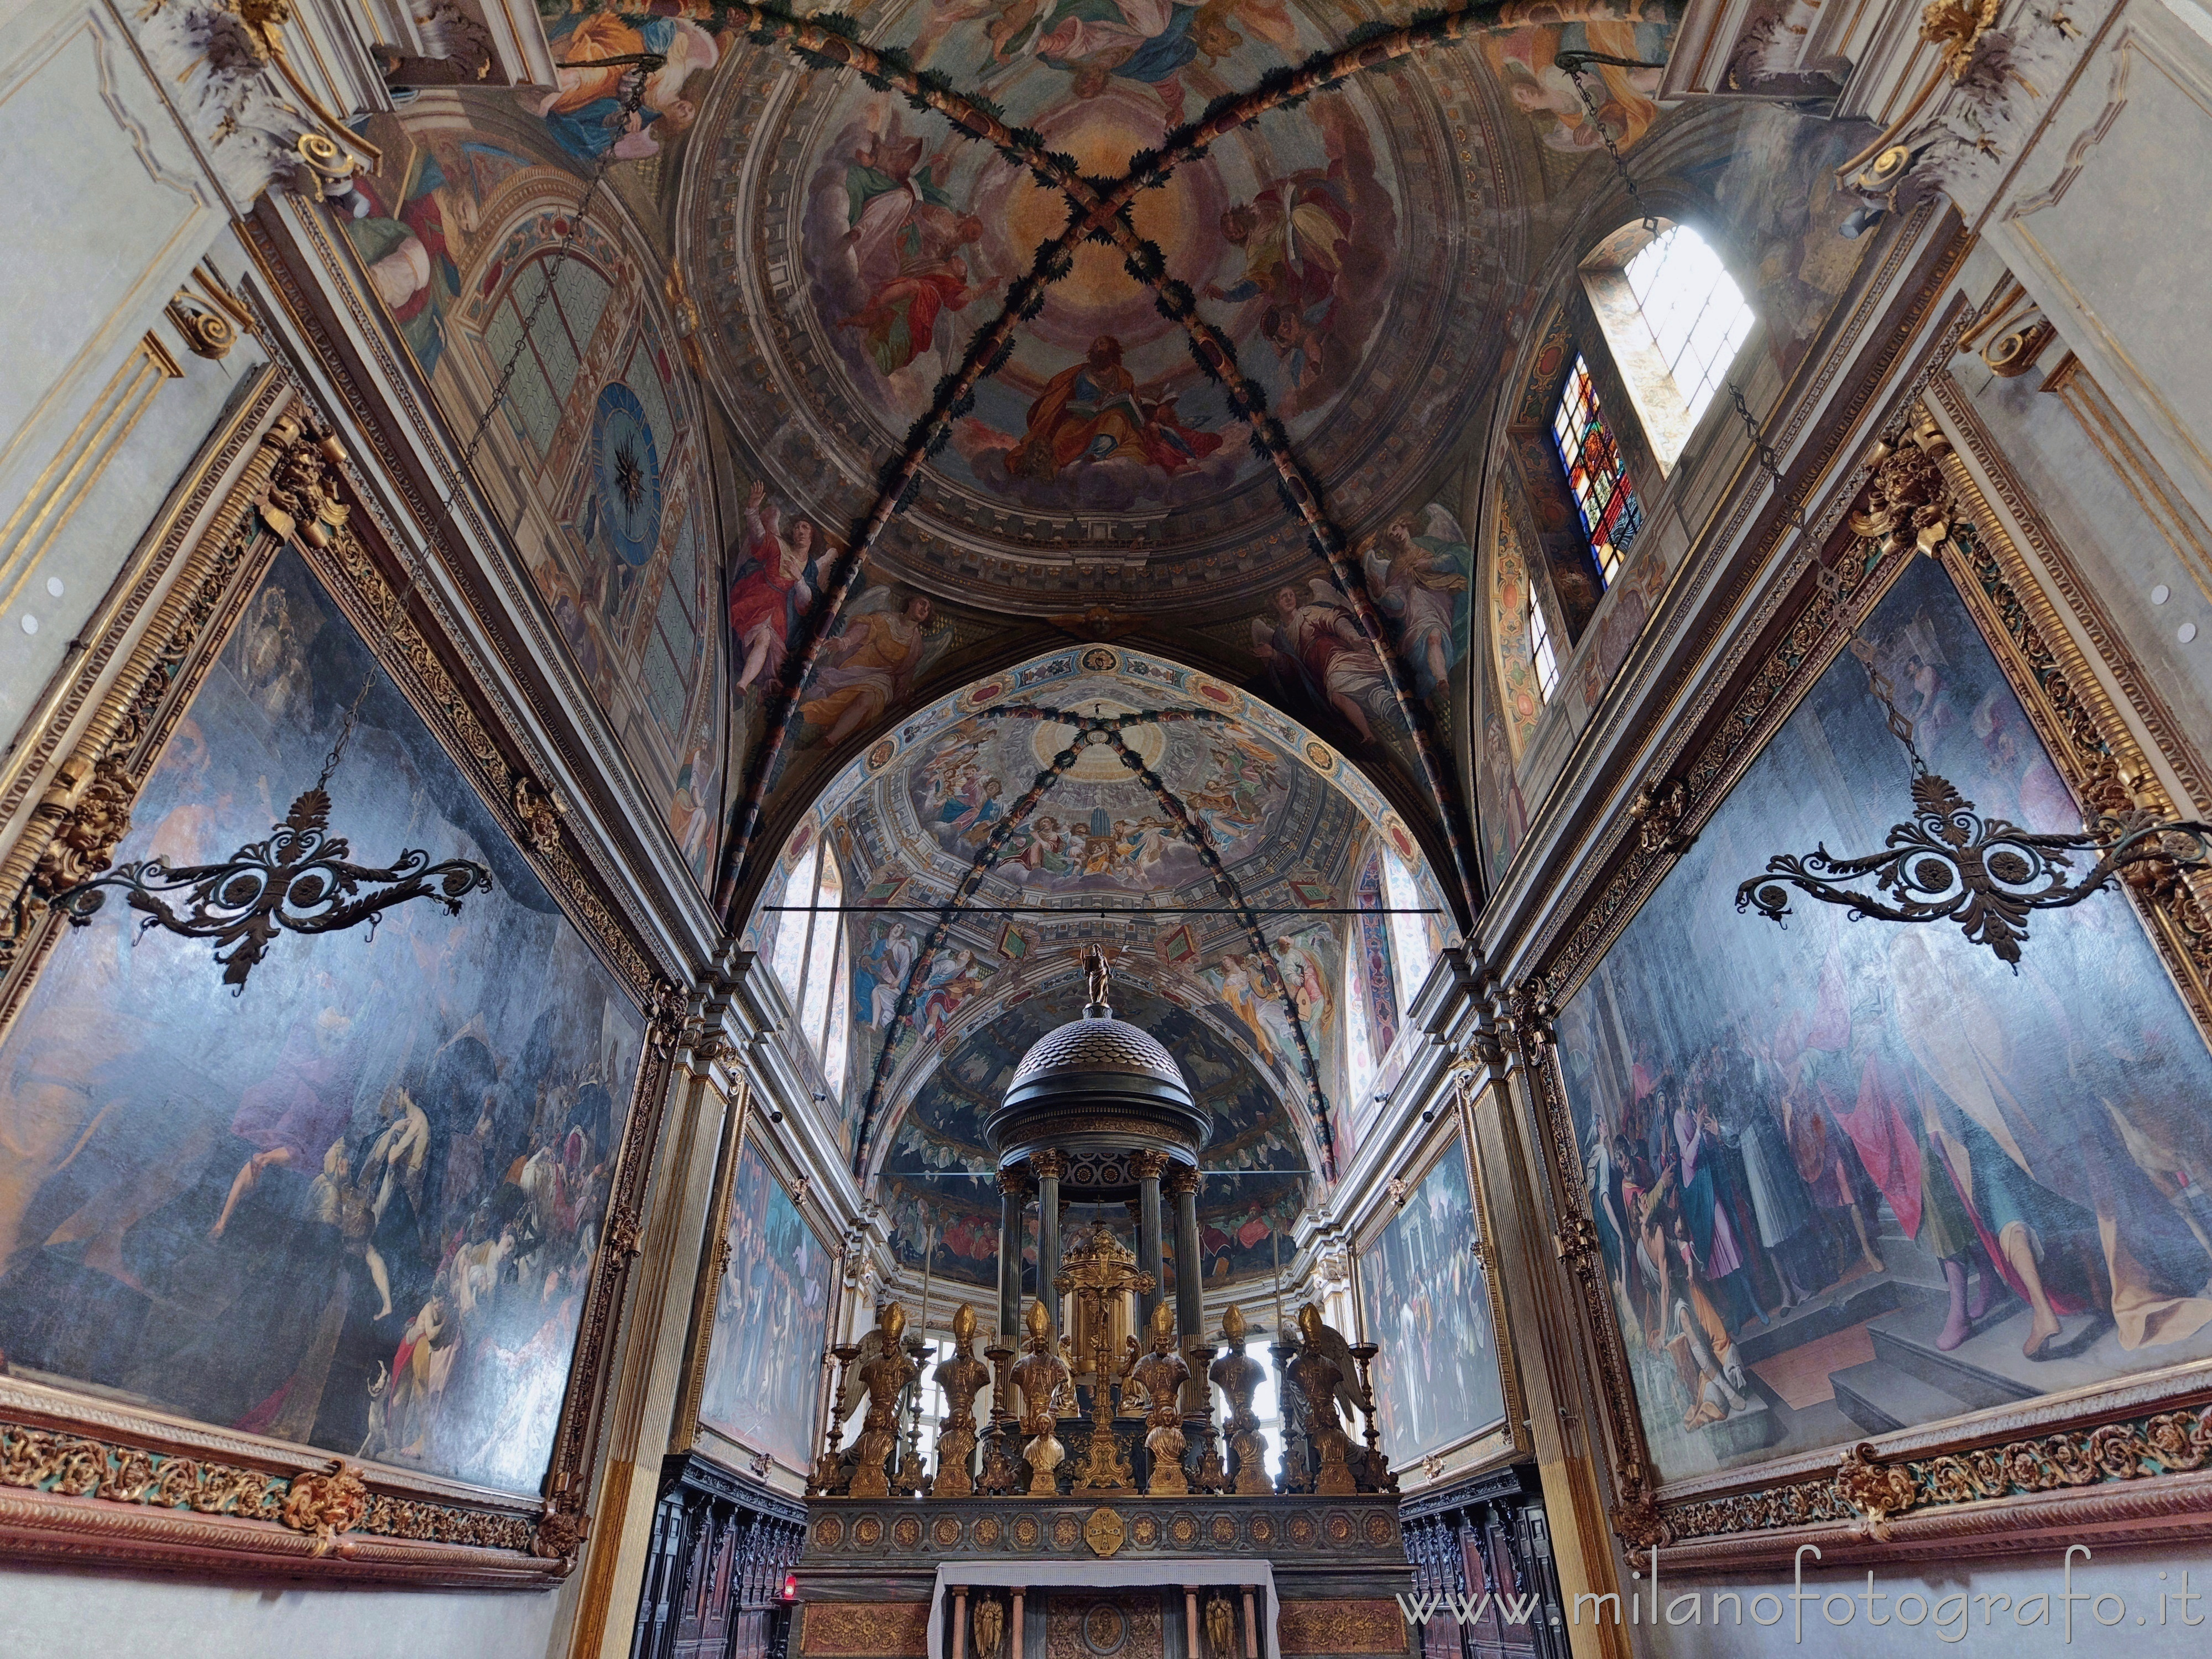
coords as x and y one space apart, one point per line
1876 1490
540 812
1639 1522
559 1535
326 1503
322 1504
1657 812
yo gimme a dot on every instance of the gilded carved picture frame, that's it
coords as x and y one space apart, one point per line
88 1478
1505 1436
713 1261
2129 1458
695 1430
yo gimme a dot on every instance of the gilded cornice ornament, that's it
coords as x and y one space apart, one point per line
325 1504
258 121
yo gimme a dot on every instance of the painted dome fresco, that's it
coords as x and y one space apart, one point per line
853 247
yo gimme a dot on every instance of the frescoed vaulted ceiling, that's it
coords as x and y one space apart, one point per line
1056 839
1034 447
1168 323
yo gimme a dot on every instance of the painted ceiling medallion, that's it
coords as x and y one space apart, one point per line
626 466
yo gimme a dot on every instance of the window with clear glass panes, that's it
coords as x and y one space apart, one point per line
1540 648
1697 316
808 959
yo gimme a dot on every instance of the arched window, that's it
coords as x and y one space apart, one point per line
1697 316
809 959
546 372
1545 659
1358 1045
1413 947
1597 478
1674 321
1371 984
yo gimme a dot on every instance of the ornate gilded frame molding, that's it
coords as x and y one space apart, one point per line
2129 1459
83 1478
713 1262
1507 1439
689 1433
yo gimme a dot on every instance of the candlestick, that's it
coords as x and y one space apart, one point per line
928 1267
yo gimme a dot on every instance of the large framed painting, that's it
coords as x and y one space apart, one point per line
1442 1370
322 1240
761 1322
1871 1222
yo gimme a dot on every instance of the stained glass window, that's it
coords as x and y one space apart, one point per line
1591 454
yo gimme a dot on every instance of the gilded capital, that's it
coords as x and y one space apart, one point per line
1049 1165
1181 1180
1149 1165
1014 1182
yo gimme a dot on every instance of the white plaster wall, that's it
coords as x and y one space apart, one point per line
108 209
104 1616
2131 1575
2121 556
2107 220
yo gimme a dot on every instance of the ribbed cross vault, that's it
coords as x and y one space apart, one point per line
1099 210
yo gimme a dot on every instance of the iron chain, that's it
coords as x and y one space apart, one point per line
1611 148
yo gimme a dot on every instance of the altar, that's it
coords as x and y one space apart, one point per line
1096 1509
1299 1576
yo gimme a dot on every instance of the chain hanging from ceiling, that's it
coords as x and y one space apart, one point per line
301 879
1947 861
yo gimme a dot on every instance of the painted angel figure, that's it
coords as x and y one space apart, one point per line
1316 658
1304 978
906 236
1419 579
773 589
1246 996
885 641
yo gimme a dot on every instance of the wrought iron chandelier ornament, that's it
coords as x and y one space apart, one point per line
299 880
1950 863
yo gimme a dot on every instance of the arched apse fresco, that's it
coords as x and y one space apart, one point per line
1239 955
939 1187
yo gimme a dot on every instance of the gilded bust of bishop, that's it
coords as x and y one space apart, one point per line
961 1376
1041 1375
1161 1374
884 1378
